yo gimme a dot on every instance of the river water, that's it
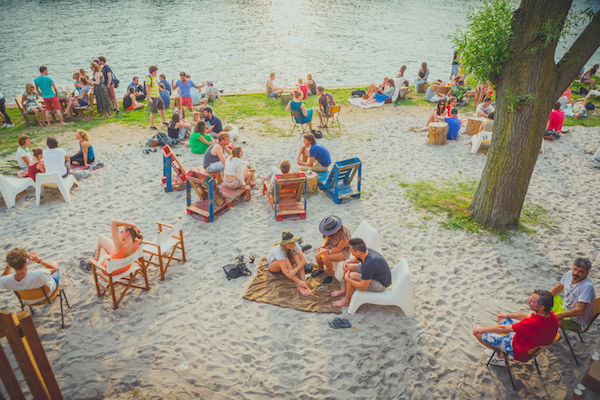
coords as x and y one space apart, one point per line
235 43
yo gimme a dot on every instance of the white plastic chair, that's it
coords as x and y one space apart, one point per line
371 239
478 139
399 293
10 187
64 185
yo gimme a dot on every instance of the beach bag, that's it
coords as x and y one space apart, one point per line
358 93
551 135
115 81
164 140
583 91
233 271
590 106
318 134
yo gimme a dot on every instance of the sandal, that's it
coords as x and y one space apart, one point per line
339 323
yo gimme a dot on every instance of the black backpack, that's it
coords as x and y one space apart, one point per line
358 93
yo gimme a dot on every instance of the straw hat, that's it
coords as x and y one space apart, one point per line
287 237
330 225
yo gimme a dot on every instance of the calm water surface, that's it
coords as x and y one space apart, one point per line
234 43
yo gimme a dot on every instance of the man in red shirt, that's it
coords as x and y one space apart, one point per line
556 119
516 338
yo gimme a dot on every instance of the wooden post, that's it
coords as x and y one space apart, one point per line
11 384
473 125
438 132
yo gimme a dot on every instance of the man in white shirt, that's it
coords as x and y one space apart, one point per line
22 279
485 108
575 307
55 158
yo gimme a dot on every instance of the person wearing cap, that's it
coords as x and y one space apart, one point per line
335 246
211 92
185 85
367 270
287 257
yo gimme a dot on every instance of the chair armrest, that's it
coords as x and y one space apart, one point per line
163 225
151 244
96 264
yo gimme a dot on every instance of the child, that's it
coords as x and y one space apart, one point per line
303 88
284 168
451 103
30 103
38 166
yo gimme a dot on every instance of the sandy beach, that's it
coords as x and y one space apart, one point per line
193 336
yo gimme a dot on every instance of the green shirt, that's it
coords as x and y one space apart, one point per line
44 82
196 145
152 82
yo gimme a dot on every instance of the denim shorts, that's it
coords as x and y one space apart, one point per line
215 167
499 341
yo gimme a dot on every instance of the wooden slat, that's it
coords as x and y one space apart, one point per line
11 384
198 211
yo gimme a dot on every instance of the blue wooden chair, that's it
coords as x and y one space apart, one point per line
172 167
338 182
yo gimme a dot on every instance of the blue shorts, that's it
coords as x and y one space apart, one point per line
381 97
454 69
215 167
272 94
499 341
56 277
82 102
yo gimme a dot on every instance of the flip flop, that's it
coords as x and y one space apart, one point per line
339 323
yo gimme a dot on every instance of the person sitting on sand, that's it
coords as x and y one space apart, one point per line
377 88
433 94
30 103
296 104
311 85
130 102
214 126
588 76
85 156
335 246
200 141
55 158
22 279
516 334
488 123
575 307
312 155
437 115
121 244
454 124
556 119
214 159
212 93
485 108
81 100
378 97
38 164
325 101
284 168
273 91
422 75
367 270
287 257
140 94
178 129
236 174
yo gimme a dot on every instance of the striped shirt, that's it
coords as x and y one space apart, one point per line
152 82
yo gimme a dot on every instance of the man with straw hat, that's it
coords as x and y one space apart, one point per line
287 257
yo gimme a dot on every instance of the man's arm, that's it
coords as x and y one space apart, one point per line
501 329
148 92
574 312
557 289
37 89
355 280
35 258
55 89
6 270
517 316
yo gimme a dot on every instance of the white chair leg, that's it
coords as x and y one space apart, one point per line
38 193
10 199
65 190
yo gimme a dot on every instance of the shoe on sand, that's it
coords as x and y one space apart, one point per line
498 362
316 273
327 280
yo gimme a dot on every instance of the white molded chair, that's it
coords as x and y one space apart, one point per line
10 187
399 293
64 185
478 139
371 239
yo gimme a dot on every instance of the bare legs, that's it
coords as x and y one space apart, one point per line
105 244
299 278
325 260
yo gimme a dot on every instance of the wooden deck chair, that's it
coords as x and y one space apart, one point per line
24 113
41 296
168 240
533 353
334 116
296 118
89 108
213 201
578 329
287 197
173 171
338 183
115 273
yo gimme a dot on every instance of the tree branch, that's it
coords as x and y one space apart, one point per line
579 53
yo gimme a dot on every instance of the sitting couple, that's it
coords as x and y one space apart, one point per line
379 94
236 174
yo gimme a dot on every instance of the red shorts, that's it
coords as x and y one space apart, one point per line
52 103
187 101
130 108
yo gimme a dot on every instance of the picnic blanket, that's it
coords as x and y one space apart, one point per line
355 101
278 290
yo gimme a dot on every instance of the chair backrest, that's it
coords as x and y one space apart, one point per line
396 92
48 177
595 314
290 185
369 235
36 296
165 234
399 272
116 264
534 352
19 102
346 170
296 115
334 109
201 184
177 166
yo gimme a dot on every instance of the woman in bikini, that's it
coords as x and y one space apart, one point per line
123 243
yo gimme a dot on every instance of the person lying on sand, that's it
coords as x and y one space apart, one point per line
335 246
515 334
287 257
366 271
380 97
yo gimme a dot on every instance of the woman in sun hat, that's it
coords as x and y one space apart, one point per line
335 247
287 257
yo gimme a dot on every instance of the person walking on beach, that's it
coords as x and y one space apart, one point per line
154 99
366 271
47 89
287 257
109 78
516 334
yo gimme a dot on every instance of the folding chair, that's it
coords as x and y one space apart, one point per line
119 271
533 353
24 113
297 117
578 329
40 296
334 116
168 241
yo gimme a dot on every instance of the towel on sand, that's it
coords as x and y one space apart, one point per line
278 290
355 101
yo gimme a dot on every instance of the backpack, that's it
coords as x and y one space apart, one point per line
318 134
164 140
358 93
583 91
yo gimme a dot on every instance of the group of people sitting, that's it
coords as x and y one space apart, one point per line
366 270
53 159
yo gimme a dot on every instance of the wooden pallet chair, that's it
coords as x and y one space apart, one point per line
168 240
338 182
296 118
289 195
119 272
213 200
42 296
173 171
24 113
89 108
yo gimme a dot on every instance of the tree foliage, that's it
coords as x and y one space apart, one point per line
484 45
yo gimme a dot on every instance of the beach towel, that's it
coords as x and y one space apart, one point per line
356 102
278 290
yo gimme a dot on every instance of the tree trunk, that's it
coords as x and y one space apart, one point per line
529 84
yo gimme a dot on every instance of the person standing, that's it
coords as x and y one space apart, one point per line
185 85
109 78
7 122
45 87
103 105
154 99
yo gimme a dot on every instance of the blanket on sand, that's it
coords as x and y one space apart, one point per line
355 101
278 290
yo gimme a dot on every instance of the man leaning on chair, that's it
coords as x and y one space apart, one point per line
22 279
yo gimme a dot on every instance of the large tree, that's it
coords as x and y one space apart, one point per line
516 52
